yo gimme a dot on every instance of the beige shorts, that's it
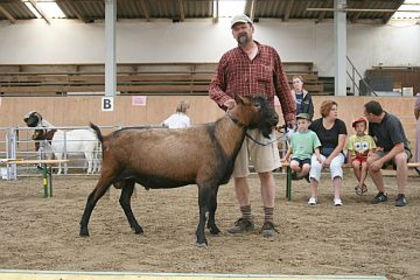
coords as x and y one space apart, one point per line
264 158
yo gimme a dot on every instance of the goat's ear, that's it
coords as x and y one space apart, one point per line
240 100
243 100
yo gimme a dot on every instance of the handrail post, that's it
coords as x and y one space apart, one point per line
354 81
354 72
65 152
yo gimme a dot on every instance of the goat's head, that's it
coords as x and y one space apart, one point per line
255 112
32 119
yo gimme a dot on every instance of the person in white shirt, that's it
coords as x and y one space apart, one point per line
180 118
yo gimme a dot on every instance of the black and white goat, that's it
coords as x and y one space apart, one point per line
62 142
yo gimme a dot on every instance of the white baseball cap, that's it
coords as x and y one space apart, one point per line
240 18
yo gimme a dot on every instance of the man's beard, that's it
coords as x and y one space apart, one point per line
243 39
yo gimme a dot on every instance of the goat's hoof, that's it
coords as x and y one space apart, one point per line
139 231
84 233
203 245
214 231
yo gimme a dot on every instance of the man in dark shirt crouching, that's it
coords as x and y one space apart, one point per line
393 149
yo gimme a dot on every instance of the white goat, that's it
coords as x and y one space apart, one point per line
66 142
73 142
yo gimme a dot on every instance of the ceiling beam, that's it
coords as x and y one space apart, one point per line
144 9
387 17
74 10
7 14
355 17
181 10
253 8
289 7
388 11
216 12
40 11
322 15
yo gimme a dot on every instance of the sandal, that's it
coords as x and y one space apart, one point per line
359 191
364 188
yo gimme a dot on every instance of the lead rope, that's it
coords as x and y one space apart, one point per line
260 143
255 140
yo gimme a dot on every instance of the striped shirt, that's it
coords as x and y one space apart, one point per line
236 74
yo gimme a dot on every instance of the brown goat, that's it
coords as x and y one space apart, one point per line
169 158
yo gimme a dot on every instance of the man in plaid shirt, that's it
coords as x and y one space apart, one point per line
253 69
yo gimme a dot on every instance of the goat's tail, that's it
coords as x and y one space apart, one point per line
98 133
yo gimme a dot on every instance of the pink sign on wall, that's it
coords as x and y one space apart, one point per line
139 100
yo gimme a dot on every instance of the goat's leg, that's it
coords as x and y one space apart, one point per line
101 187
203 202
88 158
59 156
97 163
94 161
211 224
98 157
125 202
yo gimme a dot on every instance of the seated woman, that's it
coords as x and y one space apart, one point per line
179 119
332 133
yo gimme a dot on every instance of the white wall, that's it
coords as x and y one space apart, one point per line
68 41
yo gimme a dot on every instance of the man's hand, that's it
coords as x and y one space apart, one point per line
279 129
230 103
376 165
291 124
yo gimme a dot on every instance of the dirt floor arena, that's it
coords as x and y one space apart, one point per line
357 239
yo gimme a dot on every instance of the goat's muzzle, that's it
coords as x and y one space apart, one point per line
31 121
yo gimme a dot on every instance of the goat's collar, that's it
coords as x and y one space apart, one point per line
234 120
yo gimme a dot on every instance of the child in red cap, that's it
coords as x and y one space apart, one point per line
359 147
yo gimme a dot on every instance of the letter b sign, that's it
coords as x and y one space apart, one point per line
107 104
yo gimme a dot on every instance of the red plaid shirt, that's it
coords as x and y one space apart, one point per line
236 74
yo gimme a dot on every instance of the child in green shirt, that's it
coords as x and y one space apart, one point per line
303 143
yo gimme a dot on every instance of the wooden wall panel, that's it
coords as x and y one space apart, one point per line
78 111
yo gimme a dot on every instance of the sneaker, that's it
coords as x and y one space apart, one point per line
312 201
400 201
338 202
380 197
241 225
268 230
